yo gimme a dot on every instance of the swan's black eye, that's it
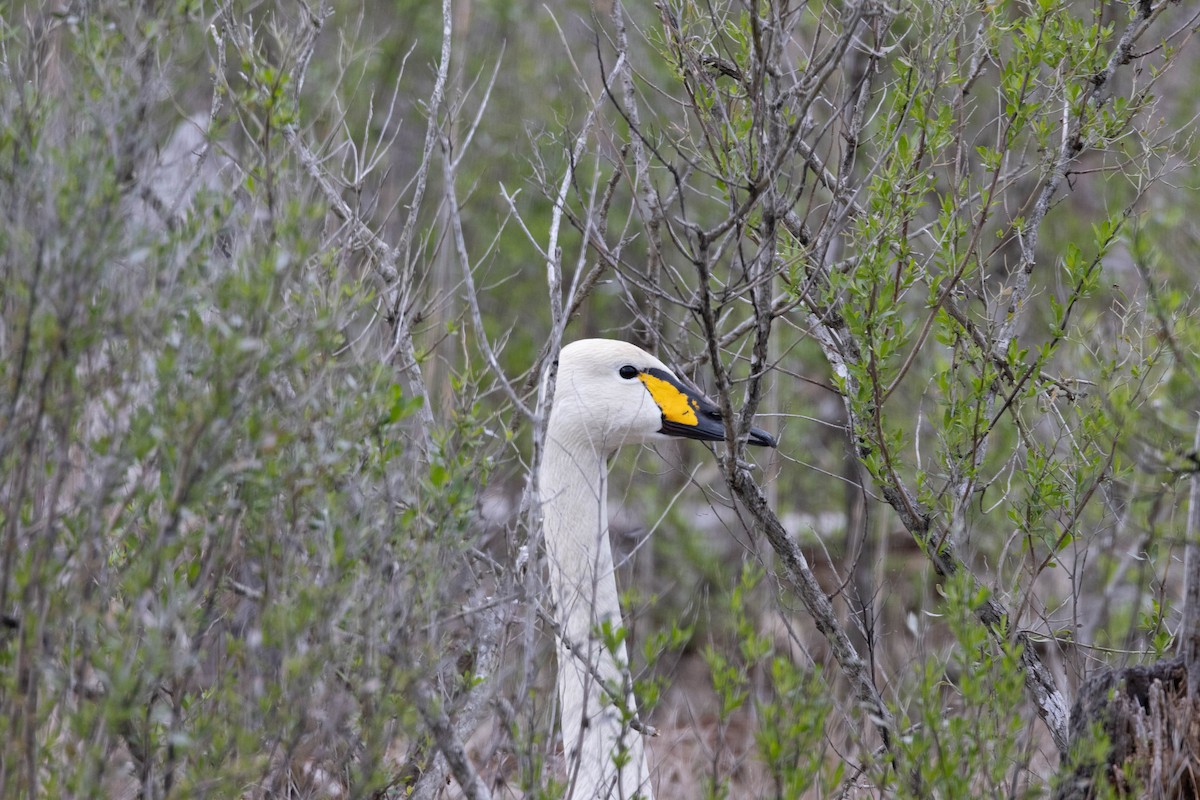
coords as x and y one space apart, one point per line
628 372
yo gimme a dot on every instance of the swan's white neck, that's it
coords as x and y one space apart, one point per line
573 482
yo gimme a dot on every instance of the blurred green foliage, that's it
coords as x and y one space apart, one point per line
231 541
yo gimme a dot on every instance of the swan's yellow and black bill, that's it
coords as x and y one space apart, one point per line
687 413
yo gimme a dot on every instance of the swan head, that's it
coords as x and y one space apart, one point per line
610 393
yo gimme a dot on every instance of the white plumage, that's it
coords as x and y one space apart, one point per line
608 394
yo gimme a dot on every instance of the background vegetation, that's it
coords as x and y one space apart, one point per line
278 281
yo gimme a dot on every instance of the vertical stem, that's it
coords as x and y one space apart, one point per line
1189 633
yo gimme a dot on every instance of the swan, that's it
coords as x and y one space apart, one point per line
608 394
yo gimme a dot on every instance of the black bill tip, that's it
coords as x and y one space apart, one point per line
761 438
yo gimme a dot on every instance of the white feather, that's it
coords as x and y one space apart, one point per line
595 411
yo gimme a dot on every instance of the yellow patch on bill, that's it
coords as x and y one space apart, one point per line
676 406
